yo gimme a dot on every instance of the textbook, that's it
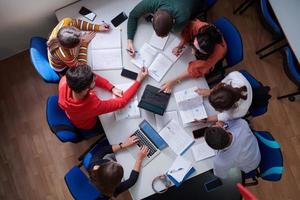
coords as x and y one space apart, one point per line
158 63
190 105
106 50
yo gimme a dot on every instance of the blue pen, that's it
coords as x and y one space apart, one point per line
175 170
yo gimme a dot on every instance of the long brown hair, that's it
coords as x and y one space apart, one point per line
107 177
223 97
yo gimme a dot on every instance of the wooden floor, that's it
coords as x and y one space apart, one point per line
33 162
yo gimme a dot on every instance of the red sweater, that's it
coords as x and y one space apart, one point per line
83 113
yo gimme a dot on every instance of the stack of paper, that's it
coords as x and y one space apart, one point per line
176 137
162 121
202 151
131 110
106 51
180 170
158 63
190 105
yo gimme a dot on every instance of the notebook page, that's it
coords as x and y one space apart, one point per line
107 40
158 42
106 59
170 47
202 151
145 56
161 121
159 67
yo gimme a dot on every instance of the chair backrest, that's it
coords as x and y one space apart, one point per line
269 19
209 3
247 195
233 40
260 95
56 117
271 164
39 59
80 186
291 66
89 155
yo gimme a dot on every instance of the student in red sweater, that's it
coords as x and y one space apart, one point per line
79 101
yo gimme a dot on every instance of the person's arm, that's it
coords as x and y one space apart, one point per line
167 87
144 7
66 57
103 83
86 26
130 141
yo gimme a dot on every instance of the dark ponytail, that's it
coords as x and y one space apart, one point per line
224 97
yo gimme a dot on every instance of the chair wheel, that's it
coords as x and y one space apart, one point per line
292 98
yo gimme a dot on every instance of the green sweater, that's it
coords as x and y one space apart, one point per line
181 10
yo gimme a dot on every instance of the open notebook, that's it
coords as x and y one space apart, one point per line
106 50
158 63
190 105
131 110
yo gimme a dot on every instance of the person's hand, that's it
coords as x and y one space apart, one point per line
104 27
130 141
117 92
130 48
87 37
142 74
203 92
220 124
167 87
143 152
177 50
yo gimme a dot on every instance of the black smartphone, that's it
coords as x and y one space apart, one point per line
119 19
87 13
199 132
213 184
129 74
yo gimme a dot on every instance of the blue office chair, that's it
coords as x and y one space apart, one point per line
61 126
80 186
234 47
209 4
292 70
273 26
260 107
271 165
39 59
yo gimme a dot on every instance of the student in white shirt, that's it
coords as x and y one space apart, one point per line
237 147
232 97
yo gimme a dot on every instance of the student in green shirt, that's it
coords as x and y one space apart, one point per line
167 15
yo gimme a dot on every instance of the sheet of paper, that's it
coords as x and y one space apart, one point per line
202 151
145 56
159 67
158 42
190 105
170 47
179 168
162 121
107 40
131 110
106 59
176 137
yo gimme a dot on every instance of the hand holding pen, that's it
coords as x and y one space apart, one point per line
105 27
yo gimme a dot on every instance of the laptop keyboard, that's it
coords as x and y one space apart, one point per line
143 140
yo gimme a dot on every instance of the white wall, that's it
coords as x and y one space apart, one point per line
22 19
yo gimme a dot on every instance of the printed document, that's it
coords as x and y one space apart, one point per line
202 151
190 105
159 67
176 137
158 42
170 47
131 110
161 121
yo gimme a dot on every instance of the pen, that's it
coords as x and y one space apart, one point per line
105 24
175 170
131 51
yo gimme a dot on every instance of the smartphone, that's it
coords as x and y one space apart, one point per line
119 19
87 13
213 184
129 74
199 132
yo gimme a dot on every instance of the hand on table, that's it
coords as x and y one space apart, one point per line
143 153
177 50
203 92
118 92
142 74
167 86
130 48
87 37
130 141
104 27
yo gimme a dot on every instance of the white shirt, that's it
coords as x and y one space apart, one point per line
237 80
243 152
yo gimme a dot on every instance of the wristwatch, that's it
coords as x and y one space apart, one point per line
120 144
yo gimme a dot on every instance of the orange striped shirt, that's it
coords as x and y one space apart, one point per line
60 57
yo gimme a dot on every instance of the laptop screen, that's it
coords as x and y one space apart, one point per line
152 135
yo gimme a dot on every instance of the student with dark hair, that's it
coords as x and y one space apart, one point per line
106 174
208 46
236 147
232 97
171 15
67 45
80 102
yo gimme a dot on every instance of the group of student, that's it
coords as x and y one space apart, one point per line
230 135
